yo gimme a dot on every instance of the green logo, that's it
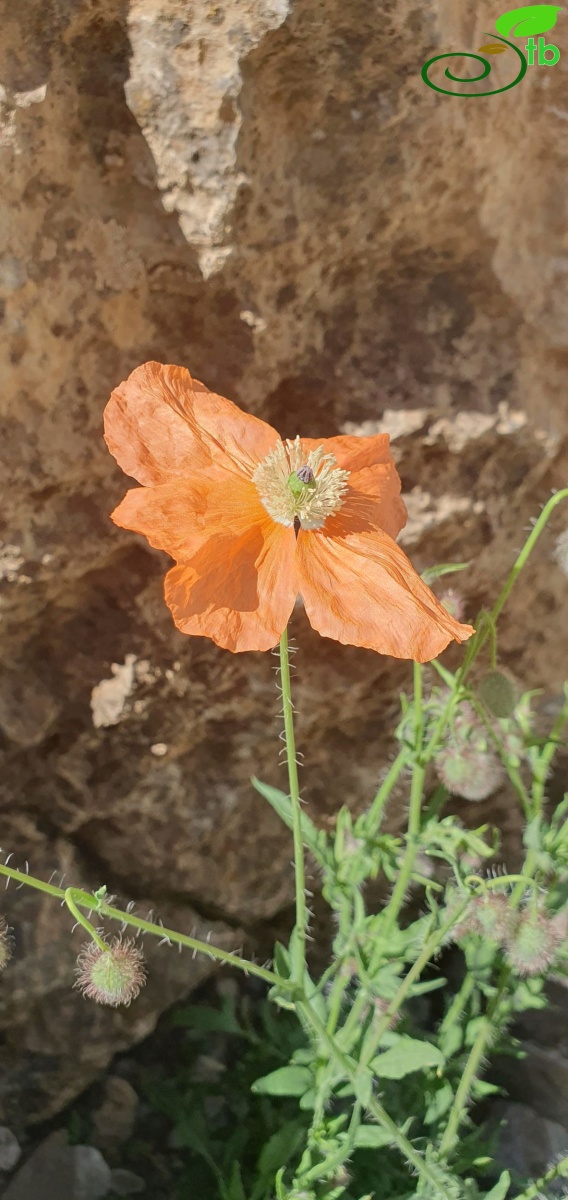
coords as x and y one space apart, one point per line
527 22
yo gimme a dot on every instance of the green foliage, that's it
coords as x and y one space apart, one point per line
368 1082
231 1142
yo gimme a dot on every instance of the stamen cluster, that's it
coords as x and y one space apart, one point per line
289 492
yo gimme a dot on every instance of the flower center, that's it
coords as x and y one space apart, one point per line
294 485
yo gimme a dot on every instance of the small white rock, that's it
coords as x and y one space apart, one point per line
9 1149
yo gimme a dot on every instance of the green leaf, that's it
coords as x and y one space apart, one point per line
207 1020
282 964
308 1100
235 1190
440 1104
314 839
430 985
406 1056
286 1081
451 1040
432 573
480 1088
279 1184
372 1137
501 1188
279 1148
527 21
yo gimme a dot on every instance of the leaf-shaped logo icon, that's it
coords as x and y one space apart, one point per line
492 48
527 21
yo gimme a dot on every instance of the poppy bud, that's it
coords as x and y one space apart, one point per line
469 771
113 976
534 943
491 916
498 693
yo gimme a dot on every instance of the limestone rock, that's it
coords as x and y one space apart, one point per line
266 192
528 1143
114 1120
57 1171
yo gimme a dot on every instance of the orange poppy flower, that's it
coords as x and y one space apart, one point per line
253 521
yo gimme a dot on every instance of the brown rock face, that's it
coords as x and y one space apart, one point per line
265 192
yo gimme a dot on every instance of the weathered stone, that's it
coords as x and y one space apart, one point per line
9 1149
542 1072
114 1120
527 1143
56 1171
266 192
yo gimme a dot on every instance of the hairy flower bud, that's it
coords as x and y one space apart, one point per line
469 771
491 916
113 976
534 942
5 944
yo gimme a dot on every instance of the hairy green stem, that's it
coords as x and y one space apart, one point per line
373 817
331 1162
70 894
373 1105
559 1170
458 1004
432 945
299 942
476 644
461 1098
526 550
396 902
488 1026
90 902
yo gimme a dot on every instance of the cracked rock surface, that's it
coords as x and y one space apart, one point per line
264 191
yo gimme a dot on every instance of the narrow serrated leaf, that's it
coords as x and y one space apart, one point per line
407 1056
501 1188
314 838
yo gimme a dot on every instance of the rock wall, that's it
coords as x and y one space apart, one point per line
266 192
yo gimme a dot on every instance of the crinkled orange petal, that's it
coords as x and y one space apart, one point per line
239 589
160 424
361 589
172 516
353 453
237 581
373 498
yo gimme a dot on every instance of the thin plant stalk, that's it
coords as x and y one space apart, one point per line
372 1104
298 950
90 902
81 919
416 792
558 1171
